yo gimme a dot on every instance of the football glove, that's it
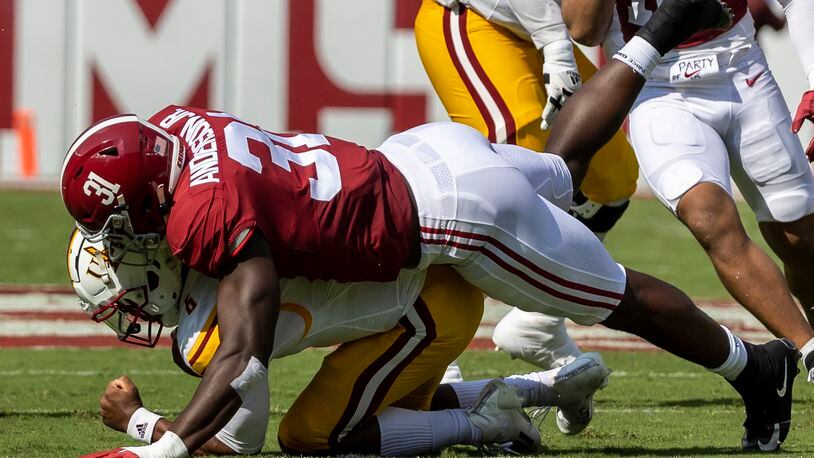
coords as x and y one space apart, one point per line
560 77
805 111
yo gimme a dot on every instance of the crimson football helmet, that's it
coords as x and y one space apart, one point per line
117 182
136 301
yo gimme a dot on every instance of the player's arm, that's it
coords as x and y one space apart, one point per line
800 16
122 409
584 125
248 306
588 21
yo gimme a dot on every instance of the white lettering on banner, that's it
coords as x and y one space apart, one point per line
100 187
198 134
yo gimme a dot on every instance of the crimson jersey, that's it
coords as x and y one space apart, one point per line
330 209
633 14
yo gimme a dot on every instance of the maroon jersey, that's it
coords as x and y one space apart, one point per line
330 209
633 14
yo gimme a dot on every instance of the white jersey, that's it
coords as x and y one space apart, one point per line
537 21
312 313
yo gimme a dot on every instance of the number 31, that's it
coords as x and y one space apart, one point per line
324 187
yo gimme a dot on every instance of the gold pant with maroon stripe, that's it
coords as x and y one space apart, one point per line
400 368
490 79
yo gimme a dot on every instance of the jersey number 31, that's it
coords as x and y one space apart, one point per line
324 187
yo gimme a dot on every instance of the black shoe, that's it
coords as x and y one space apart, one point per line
677 20
765 385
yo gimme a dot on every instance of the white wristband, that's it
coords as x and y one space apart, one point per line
639 55
141 425
811 80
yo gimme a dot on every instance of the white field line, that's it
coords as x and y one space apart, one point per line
730 315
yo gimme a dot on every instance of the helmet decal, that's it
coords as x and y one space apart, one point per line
101 187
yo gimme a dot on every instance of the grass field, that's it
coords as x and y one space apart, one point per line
656 405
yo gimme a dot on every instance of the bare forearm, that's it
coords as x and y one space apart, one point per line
214 402
584 125
588 21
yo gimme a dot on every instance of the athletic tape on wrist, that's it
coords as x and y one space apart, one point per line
254 373
142 424
639 55
169 446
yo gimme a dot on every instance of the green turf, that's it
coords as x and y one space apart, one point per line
655 405
36 228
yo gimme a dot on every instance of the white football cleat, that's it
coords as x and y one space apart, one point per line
575 385
499 414
453 373
537 339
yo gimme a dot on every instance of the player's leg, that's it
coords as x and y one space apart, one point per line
685 161
579 285
494 240
484 74
336 412
773 174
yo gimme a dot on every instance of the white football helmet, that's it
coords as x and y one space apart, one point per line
135 298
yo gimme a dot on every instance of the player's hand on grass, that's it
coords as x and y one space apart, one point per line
805 111
120 399
560 77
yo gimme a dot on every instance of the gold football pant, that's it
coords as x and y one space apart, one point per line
400 368
491 80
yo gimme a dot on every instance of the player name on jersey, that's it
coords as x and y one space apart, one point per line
200 137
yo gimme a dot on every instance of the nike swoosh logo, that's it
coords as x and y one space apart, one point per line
782 391
774 440
691 74
751 81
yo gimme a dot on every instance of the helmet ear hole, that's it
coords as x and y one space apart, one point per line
112 151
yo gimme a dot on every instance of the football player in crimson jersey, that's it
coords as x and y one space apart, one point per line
249 207
711 110
368 321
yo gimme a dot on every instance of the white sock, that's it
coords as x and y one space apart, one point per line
414 432
736 361
535 389
639 55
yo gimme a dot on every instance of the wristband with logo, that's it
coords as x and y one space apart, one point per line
141 425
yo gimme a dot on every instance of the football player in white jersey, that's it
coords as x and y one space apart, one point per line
136 300
711 110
